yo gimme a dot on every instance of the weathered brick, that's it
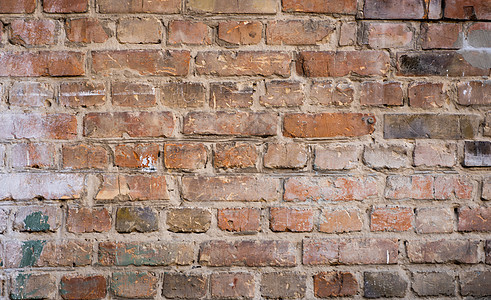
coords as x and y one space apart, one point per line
381 93
386 156
319 125
134 124
32 32
474 219
250 253
320 251
475 283
330 188
433 284
227 7
235 156
83 287
441 35
141 62
133 187
33 155
391 219
486 188
230 188
336 157
185 156
128 94
228 123
134 284
136 219
387 35
183 94
426 95
291 219
232 285
335 284
145 254
86 30
384 284
467 10
283 285
82 94
84 156
430 126
188 220
185 286
347 34
87 220
38 126
487 251
187 32
282 94
477 154
139 31
17 6
65 6
474 93
434 220
38 218
42 63
443 251
407 9
478 35
33 286
239 219
298 32
320 6
4 219
340 220
139 6
240 32
433 154
136 156
287 156
231 95
328 93
243 63
342 63
453 186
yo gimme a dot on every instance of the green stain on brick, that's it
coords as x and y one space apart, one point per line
31 251
36 222
20 283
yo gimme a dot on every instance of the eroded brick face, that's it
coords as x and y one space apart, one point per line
246 149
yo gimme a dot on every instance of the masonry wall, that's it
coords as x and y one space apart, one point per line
217 149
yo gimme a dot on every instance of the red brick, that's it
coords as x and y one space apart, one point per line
381 93
474 219
235 156
291 219
32 32
225 123
83 287
406 9
467 9
183 94
243 63
134 124
87 220
340 220
320 6
342 63
426 95
230 188
347 34
65 6
435 154
387 35
139 31
320 125
128 94
187 32
232 285
391 219
43 63
33 156
133 187
434 220
453 186
287 156
139 6
231 95
141 62
328 93
186 286
282 94
33 286
84 156
443 251
239 219
17 6
474 93
320 251
38 126
249 253
227 7
82 94
298 32
38 218
185 156
417 187
335 284
240 32
134 284
136 156
86 30
330 188
336 156
441 35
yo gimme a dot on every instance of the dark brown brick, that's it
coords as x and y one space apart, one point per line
335 284
134 284
231 95
477 154
232 285
443 251
474 219
384 284
467 10
185 286
433 284
33 286
426 95
474 93
283 285
183 94
475 283
188 220
83 287
139 219
282 94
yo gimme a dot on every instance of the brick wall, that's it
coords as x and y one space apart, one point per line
217 149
